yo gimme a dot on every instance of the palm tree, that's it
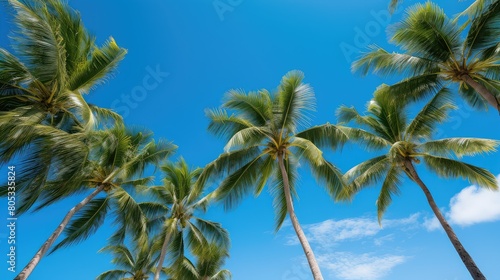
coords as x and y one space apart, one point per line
208 266
183 225
137 264
407 142
117 162
435 54
56 61
264 146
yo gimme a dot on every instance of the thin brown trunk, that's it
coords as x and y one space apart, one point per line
464 255
483 91
313 264
28 269
163 253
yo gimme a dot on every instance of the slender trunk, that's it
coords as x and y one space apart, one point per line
163 253
28 269
313 264
466 258
483 91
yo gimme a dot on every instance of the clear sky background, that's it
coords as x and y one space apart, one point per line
250 46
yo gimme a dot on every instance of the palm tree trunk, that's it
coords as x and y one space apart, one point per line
163 253
311 259
464 255
28 269
483 91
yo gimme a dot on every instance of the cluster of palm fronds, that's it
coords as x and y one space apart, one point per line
66 146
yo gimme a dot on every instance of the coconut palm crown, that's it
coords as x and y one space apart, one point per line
209 261
135 264
183 227
265 146
407 142
435 54
113 174
43 115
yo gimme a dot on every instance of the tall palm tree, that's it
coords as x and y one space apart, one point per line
183 224
264 146
117 162
436 54
407 142
137 264
208 265
56 61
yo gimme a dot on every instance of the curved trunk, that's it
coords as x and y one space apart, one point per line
163 253
483 91
464 255
28 269
313 264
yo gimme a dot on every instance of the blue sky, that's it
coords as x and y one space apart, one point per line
184 55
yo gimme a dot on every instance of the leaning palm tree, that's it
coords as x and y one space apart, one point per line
137 264
436 54
183 224
408 142
210 259
117 162
265 146
42 84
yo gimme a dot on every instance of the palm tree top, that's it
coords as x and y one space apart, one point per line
437 51
262 126
386 126
57 61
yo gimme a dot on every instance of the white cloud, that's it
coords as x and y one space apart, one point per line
331 232
363 267
475 205
381 240
340 264
470 206
431 224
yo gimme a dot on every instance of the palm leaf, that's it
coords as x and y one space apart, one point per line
294 100
433 113
94 72
449 168
459 146
484 32
86 223
381 61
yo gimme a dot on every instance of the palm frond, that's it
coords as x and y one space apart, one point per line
214 232
433 113
246 137
253 107
112 274
449 168
86 222
378 60
224 125
294 100
459 146
427 30
94 71
327 135
39 42
239 183
329 175
365 174
484 29
278 192
390 187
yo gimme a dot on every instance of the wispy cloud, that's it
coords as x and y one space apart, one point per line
331 232
470 206
359 267
330 238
